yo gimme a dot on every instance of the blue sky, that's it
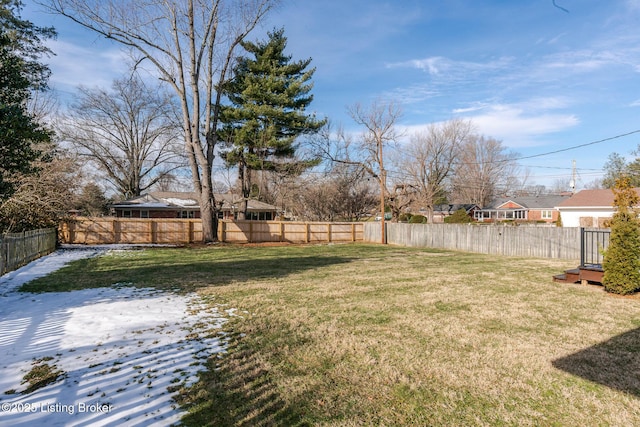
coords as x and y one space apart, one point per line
525 72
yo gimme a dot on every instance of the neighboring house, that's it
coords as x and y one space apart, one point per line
588 208
440 212
525 208
185 205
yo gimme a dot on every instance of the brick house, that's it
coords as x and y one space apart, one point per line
525 209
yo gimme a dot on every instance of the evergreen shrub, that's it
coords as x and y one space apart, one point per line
622 258
459 217
418 219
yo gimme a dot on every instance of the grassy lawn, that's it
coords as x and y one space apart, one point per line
372 335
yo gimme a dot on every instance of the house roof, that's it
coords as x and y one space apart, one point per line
592 199
451 208
530 202
187 200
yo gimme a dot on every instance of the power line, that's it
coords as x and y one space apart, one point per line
577 146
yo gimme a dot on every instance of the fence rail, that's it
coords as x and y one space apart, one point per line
18 249
528 241
171 231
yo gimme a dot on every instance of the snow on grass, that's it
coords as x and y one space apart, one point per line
109 356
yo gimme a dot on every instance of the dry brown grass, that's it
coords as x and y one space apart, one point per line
411 337
347 335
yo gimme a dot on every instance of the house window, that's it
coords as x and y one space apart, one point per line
265 216
186 214
126 213
144 214
547 214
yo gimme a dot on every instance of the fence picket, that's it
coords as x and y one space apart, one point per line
18 249
526 241
169 230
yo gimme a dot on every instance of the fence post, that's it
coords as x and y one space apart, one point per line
3 255
71 232
116 231
192 232
152 237
582 247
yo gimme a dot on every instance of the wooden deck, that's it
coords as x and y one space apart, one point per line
583 274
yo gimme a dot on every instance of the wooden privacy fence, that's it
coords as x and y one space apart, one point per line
18 249
526 241
171 231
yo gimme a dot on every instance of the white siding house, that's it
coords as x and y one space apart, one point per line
588 208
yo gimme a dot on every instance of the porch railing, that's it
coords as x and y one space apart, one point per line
593 243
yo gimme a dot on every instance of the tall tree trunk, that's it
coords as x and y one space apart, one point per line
191 44
209 216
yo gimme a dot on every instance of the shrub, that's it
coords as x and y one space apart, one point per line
622 258
459 217
405 217
418 219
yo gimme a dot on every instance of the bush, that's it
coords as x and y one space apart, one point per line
459 217
622 258
418 219
405 217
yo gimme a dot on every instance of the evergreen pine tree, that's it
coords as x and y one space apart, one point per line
20 73
269 95
622 258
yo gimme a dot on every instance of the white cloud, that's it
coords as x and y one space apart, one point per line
516 125
75 65
633 5
412 94
437 65
519 127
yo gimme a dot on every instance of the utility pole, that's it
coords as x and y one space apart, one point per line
379 122
383 186
572 183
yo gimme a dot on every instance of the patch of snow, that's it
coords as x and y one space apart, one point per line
124 351
181 202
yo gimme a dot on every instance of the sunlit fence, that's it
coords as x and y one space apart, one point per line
18 249
525 241
180 231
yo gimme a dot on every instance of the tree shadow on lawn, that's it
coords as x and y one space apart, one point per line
186 274
104 351
239 392
614 363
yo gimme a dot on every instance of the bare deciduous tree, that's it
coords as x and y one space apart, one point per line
191 45
44 198
368 151
485 167
127 132
429 160
344 194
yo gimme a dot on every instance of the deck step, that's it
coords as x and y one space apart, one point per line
575 275
560 278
